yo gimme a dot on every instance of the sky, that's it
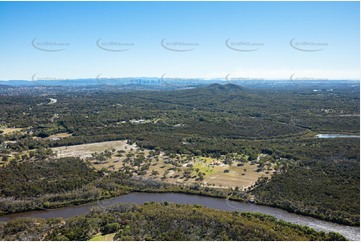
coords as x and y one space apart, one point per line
238 40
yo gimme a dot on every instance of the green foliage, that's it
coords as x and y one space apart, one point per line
110 228
155 221
327 190
31 179
208 121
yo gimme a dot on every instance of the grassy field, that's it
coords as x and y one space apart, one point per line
106 237
215 172
10 130
243 176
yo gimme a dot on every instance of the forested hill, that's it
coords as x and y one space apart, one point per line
214 88
225 88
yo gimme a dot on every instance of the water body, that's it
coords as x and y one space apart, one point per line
332 136
350 232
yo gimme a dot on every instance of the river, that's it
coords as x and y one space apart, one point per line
350 232
333 136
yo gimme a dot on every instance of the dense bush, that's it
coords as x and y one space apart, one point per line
169 222
32 179
324 190
210 121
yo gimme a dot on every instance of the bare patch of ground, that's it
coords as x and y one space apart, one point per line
85 150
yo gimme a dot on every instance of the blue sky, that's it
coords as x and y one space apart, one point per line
266 40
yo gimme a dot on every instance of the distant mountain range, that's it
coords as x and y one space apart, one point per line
173 83
107 81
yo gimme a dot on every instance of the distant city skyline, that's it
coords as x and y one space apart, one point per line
234 40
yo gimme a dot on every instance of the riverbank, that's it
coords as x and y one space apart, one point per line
154 187
162 221
40 204
220 204
313 215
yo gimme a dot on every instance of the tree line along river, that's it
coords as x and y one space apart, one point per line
350 232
